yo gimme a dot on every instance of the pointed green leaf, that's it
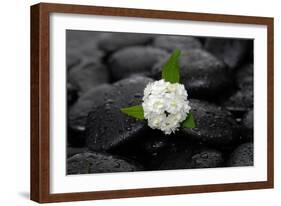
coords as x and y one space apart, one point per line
134 111
189 122
171 71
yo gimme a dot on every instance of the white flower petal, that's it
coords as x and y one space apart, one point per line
165 105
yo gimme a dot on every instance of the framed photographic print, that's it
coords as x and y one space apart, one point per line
131 102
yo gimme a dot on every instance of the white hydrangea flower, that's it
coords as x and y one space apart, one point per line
165 105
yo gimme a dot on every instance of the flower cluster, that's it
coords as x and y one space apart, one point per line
165 105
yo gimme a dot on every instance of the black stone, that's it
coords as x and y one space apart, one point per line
71 151
248 126
96 96
204 76
86 163
82 46
72 59
231 51
245 76
170 43
145 149
72 94
76 136
214 125
88 75
111 42
107 127
79 38
129 91
158 151
157 143
241 101
175 157
134 60
89 54
208 158
242 156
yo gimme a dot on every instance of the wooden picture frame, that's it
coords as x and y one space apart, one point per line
40 102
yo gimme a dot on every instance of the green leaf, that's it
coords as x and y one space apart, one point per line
171 71
134 111
189 122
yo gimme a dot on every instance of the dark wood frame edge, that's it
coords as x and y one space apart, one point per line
40 188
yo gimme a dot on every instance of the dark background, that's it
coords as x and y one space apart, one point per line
108 71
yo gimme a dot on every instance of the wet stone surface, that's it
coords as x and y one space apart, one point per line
170 43
107 127
215 126
111 42
129 91
88 75
78 112
242 156
71 151
248 126
241 101
87 162
163 152
96 96
134 60
204 76
76 136
72 94
72 60
231 51
207 159
147 149
245 76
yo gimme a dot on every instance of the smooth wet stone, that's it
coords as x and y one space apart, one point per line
129 91
231 51
248 126
76 136
83 45
86 163
114 41
72 94
245 76
241 101
89 54
204 76
214 125
242 156
167 152
72 59
157 151
146 149
88 75
81 35
76 39
207 158
170 43
71 151
107 127
176 158
157 143
96 96
134 60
